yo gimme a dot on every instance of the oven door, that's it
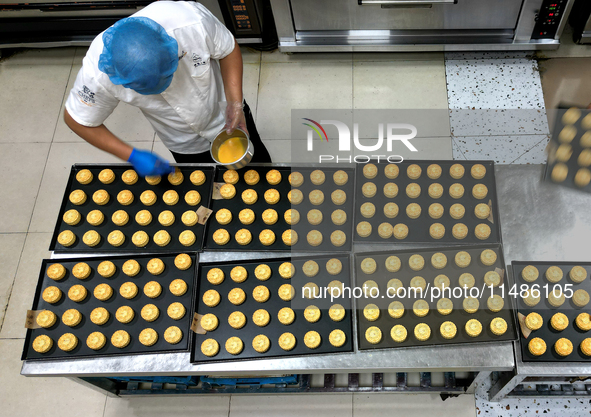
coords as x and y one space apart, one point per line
431 15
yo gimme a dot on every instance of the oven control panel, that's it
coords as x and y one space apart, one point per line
548 19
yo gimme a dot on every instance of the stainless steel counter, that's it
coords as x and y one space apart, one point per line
543 222
538 220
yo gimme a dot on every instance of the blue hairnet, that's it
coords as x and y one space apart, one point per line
139 54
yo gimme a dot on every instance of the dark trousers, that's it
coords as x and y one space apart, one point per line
260 151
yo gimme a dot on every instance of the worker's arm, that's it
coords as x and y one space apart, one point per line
231 67
144 162
101 137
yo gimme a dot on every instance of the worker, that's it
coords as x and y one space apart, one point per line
178 64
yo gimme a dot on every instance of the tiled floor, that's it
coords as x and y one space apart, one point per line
37 150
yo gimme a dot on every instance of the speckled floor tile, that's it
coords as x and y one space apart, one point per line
524 407
535 155
480 86
490 122
489 55
457 151
501 149
494 84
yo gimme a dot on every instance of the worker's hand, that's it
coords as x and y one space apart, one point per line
235 117
146 163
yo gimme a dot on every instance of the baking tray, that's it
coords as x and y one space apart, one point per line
274 329
572 163
433 318
544 309
235 205
419 228
132 226
82 330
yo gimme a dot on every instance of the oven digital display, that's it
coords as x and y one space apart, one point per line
548 19
241 16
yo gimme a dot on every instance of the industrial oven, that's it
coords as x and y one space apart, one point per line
46 23
419 25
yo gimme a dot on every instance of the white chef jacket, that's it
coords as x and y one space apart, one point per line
186 116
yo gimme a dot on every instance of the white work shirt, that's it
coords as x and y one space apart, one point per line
187 115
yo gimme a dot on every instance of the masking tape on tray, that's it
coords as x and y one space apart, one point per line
524 330
203 214
501 273
490 217
31 319
196 324
216 195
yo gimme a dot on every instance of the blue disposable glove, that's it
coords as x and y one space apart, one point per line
146 163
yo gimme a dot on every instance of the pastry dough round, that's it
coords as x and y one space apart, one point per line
261 317
129 177
128 290
209 322
46 319
261 343
197 177
251 177
287 341
67 342
370 171
176 177
215 276
148 337
422 331
120 339
173 335
96 340
176 311
99 316
498 326
152 289
373 335
84 176
398 333
312 339
77 293
296 179
42 344
536 346
150 312
52 295
72 317
103 292
178 287
236 296
221 236
336 312
72 217
391 171
106 176
273 177
124 314
286 316
533 321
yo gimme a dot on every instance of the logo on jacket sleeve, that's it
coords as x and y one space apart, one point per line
86 96
197 60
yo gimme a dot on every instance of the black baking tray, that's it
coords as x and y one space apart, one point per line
131 227
572 164
134 327
419 228
274 329
433 318
544 309
235 205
